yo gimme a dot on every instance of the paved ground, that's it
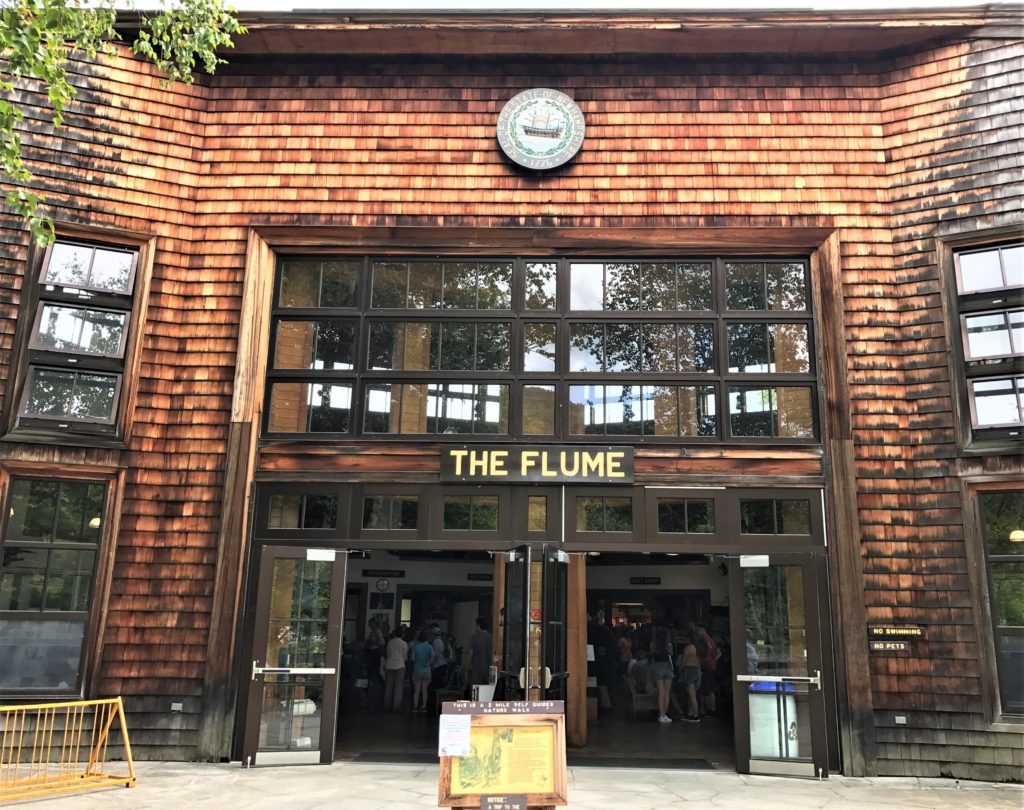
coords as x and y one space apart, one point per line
370 786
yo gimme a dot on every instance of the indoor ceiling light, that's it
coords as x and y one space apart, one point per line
1017 536
95 524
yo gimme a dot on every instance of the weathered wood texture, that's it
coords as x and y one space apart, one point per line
892 152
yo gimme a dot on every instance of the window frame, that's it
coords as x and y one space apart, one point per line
93 617
972 439
562 317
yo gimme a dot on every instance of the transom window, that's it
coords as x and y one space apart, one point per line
79 336
699 350
990 287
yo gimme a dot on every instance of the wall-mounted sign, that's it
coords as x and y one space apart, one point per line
394 573
537 464
896 631
888 646
540 129
645 580
480 577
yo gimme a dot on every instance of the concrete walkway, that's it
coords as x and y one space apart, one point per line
372 786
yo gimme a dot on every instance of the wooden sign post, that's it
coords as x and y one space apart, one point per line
516 750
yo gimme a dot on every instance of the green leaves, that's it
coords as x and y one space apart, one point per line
38 36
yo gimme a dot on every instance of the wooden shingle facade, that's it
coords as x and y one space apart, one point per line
879 153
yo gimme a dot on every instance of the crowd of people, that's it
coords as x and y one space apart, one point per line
419 663
659 659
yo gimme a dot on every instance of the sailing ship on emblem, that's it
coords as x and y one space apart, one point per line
542 124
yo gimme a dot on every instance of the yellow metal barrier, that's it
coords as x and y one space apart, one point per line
49 748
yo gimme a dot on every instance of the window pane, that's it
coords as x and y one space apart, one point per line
1007 593
1017 330
69 265
32 509
89 331
622 287
980 271
294 344
1002 513
491 409
618 514
623 410
795 413
493 346
69 580
340 284
787 286
494 280
793 516
335 346
300 284
424 285
539 346
537 513
422 346
80 513
694 283
457 340
744 285
389 285
696 347
328 345
386 349
659 348
330 408
111 271
997 402
988 335
285 512
22 577
590 514
94 397
539 410
622 347
485 513
757 517
460 285
789 348
405 512
586 347
586 286
750 411
671 515
658 291
40 655
700 516
697 414
540 285
416 413
586 410
457 512
49 392
453 407
660 410
377 512
320 512
1010 650
748 347
288 408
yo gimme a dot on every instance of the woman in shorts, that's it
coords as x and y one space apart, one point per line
662 672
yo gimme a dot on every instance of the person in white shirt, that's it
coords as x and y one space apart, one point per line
395 655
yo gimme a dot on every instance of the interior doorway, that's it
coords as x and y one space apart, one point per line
444 599
635 603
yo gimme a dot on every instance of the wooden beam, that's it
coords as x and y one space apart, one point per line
576 653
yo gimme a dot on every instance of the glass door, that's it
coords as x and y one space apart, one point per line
778 691
516 652
293 691
555 578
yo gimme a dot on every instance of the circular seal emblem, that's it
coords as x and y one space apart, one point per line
540 128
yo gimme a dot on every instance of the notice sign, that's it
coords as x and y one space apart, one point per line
453 735
512 755
503 802
536 464
896 631
888 646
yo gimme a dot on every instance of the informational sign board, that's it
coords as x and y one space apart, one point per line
516 749
511 464
896 631
888 646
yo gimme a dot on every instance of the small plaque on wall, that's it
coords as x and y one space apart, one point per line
888 646
896 631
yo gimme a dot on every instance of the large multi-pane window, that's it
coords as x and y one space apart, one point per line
563 349
48 557
990 287
1002 515
78 339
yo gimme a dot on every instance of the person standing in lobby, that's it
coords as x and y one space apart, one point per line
395 655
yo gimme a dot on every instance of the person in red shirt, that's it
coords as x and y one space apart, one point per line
709 655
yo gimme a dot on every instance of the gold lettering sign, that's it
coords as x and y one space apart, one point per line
537 464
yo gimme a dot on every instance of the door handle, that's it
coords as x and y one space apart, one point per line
547 678
522 678
258 670
812 680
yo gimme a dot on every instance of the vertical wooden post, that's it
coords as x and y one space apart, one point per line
576 652
497 625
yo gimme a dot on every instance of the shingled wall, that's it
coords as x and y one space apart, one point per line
891 151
